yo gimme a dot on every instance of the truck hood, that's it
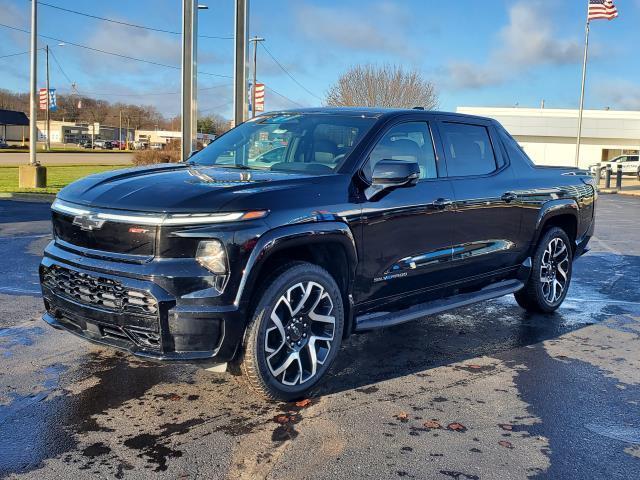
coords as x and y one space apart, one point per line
175 187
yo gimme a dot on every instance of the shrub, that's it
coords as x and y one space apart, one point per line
169 154
151 157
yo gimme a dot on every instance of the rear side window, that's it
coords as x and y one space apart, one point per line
514 150
468 149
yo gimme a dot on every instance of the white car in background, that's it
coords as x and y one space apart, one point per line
630 165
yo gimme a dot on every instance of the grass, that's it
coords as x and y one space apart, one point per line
62 150
57 177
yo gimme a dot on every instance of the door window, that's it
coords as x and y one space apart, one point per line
408 142
468 148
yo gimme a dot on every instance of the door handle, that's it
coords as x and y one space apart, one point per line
442 203
509 196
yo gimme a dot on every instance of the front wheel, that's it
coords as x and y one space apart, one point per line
295 332
550 276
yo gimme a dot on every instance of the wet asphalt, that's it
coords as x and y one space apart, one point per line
484 392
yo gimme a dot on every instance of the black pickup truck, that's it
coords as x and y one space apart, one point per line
298 228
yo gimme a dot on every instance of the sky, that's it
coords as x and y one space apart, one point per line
477 53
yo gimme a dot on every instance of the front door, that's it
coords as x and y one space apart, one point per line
406 235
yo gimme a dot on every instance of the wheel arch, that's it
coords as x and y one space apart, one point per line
328 244
558 213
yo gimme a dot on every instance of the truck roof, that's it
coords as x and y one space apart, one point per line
372 112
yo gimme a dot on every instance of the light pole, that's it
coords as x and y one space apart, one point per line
33 175
240 58
189 75
255 41
48 140
33 126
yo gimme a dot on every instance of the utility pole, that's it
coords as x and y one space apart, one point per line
240 60
48 141
120 132
255 41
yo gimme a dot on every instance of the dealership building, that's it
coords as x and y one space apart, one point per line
549 135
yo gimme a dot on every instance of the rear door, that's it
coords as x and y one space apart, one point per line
486 228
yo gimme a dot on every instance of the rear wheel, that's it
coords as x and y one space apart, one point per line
295 332
550 277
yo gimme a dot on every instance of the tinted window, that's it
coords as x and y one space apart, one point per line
409 142
314 143
514 150
468 149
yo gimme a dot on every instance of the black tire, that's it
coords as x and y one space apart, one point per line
264 346
537 294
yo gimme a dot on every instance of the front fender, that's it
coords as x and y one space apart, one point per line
292 236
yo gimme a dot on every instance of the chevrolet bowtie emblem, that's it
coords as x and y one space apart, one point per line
88 222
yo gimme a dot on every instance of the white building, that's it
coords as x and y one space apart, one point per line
549 135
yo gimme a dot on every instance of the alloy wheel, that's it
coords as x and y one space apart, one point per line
300 333
554 270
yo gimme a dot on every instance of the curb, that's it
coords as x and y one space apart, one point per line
29 197
613 191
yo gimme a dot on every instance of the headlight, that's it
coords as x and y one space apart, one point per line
212 255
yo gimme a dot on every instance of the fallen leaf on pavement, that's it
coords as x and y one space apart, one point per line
506 426
303 403
432 424
174 397
282 419
505 444
475 367
457 427
403 417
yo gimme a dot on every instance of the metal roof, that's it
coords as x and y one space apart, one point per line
537 122
11 117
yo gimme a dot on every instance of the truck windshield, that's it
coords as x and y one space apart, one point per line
311 143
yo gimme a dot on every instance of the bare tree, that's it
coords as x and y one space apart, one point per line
382 86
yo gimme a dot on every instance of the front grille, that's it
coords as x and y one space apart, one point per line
100 292
122 238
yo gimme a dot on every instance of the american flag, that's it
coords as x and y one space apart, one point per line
601 10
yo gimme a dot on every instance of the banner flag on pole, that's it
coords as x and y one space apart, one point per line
51 99
260 97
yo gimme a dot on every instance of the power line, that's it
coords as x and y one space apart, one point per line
112 53
283 96
16 54
53 55
147 94
289 74
111 20
216 107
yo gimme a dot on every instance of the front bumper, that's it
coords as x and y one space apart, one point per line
91 298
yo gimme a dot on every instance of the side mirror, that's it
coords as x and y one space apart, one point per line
391 174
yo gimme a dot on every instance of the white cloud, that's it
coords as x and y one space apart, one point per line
618 94
351 30
138 43
527 41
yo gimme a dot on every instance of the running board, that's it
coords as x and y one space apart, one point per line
375 320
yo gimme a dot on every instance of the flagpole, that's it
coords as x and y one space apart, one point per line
584 78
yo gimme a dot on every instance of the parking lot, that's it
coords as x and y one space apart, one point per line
483 392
